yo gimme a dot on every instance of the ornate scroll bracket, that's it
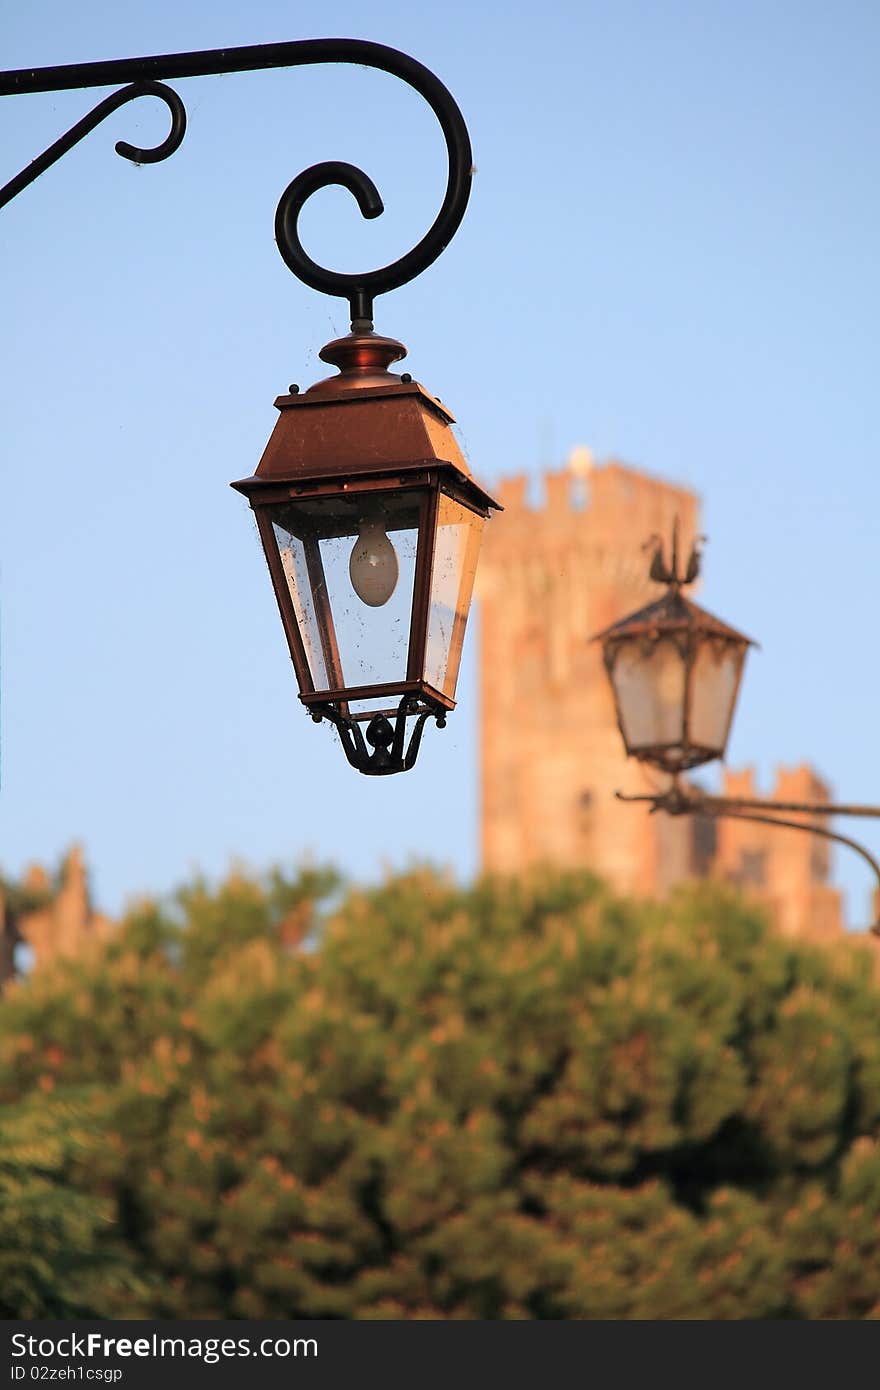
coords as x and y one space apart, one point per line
679 801
386 740
94 118
143 76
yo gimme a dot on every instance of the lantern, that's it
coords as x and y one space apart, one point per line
675 672
371 524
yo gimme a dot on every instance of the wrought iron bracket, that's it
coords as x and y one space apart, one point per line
680 801
145 77
386 740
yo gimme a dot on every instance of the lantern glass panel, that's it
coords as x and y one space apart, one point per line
649 682
292 550
714 682
456 548
350 563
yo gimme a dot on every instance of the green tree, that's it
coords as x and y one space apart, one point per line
58 1255
524 1099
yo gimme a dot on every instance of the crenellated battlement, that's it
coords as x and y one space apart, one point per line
603 490
584 528
799 783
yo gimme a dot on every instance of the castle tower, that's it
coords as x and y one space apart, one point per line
552 755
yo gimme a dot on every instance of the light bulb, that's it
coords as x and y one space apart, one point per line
373 567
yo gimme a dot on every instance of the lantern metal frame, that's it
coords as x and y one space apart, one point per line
326 446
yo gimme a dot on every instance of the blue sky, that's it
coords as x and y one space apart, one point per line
670 255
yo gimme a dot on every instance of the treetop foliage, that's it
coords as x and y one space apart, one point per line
522 1099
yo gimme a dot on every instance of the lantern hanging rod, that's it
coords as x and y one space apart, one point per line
677 801
144 78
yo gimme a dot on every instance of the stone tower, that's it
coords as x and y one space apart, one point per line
552 757
550 576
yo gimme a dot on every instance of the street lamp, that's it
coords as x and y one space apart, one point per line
368 514
371 524
675 673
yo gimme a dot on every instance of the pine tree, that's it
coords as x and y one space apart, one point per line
518 1100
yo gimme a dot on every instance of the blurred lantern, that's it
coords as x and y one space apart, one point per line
371 524
675 672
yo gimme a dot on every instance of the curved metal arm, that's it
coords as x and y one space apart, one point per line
678 802
731 814
360 289
100 113
745 803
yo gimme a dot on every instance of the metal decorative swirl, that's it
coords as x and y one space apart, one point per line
100 113
143 76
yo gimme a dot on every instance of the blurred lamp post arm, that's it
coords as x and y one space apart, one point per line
680 801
